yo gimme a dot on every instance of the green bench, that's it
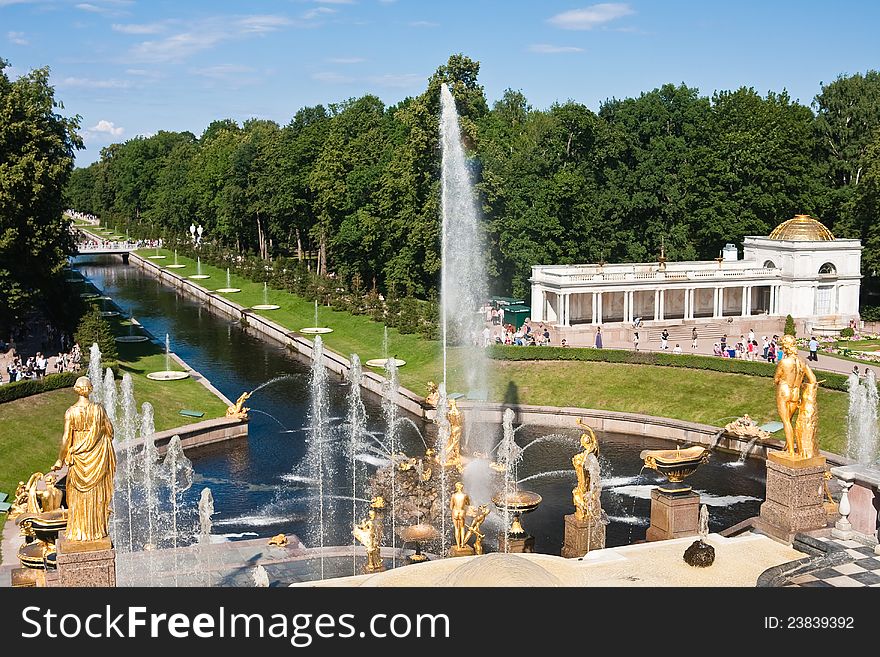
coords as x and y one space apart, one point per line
189 413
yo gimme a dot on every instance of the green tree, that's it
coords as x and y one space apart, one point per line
93 328
36 157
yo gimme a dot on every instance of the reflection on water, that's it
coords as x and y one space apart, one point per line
260 485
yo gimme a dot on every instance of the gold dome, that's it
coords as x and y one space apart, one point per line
802 228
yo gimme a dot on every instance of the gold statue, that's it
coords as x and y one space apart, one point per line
453 443
580 494
48 499
19 501
87 448
238 409
279 540
479 514
796 391
369 534
433 394
458 504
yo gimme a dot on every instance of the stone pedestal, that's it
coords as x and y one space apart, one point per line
673 515
795 495
86 563
520 545
581 536
28 577
465 551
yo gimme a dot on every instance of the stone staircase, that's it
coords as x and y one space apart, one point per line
681 333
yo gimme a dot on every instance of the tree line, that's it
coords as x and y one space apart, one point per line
353 188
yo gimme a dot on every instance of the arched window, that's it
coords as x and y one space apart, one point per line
769 264
828 268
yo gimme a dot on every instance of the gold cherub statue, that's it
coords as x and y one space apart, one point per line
48 499
279 540
19 501
480 514
368 532
238 409
580 494
796 391
433 394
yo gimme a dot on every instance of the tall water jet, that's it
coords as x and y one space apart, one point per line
94 374
390 387
206 510
128 427
862 430
509 456
463 280
109 396
443 430
167 352
318 457
178 472
148 466
356 418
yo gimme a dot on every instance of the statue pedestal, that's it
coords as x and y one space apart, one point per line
86 563
517 545
581 536
28 577
673 515
465 551
795 495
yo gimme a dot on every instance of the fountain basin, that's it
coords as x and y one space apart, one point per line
109 313
89 295
316 330
675 465
380 362
157 257
264 306
167 375
125 339
199 276
174 266
228 290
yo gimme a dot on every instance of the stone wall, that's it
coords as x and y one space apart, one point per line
201 433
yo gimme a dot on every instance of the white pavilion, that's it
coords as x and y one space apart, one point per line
799 269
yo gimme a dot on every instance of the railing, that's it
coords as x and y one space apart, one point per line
576 276
109 246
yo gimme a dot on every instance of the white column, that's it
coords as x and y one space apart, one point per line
599 309
632 306
744 296
625 305
656 305
567 305
687 303
537 303
721 302
662 304
595 299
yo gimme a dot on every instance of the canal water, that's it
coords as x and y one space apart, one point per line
259 484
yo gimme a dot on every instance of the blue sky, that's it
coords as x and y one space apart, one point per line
131 67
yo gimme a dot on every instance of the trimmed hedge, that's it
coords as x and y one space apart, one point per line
28 387
830 380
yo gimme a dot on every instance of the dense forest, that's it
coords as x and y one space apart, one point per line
353 188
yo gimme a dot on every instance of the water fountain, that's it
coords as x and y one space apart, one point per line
131 337
228 289
168 374
381 362
266 305
316 329
199 275
177 470
260 577
94 374
176 265
109 395
699 553
863 438
356 418
206 510
157 256
318 453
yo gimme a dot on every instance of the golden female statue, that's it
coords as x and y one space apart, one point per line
796 390
87 448
580 494
453 444
369 534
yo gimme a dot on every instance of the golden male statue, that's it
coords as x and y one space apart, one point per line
796 390
458 504
580 494
87 448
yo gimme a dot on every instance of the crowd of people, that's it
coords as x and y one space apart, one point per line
748 348
39 365
525 336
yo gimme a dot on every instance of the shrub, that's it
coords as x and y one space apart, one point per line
830 380
28 387
848 332
789 326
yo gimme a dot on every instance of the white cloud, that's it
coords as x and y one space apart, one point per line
318 12
400 81
332 78
142 28
143 72
206 34
423 24
107 127
590 17
89 83
222 71
549 49
17 38
346 60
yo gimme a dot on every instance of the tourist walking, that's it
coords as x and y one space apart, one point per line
664 339
694 338
636 340
724 343
598 337
814 348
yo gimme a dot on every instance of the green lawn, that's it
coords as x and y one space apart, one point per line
697 395
858 345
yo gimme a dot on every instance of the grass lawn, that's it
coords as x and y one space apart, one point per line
696 395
